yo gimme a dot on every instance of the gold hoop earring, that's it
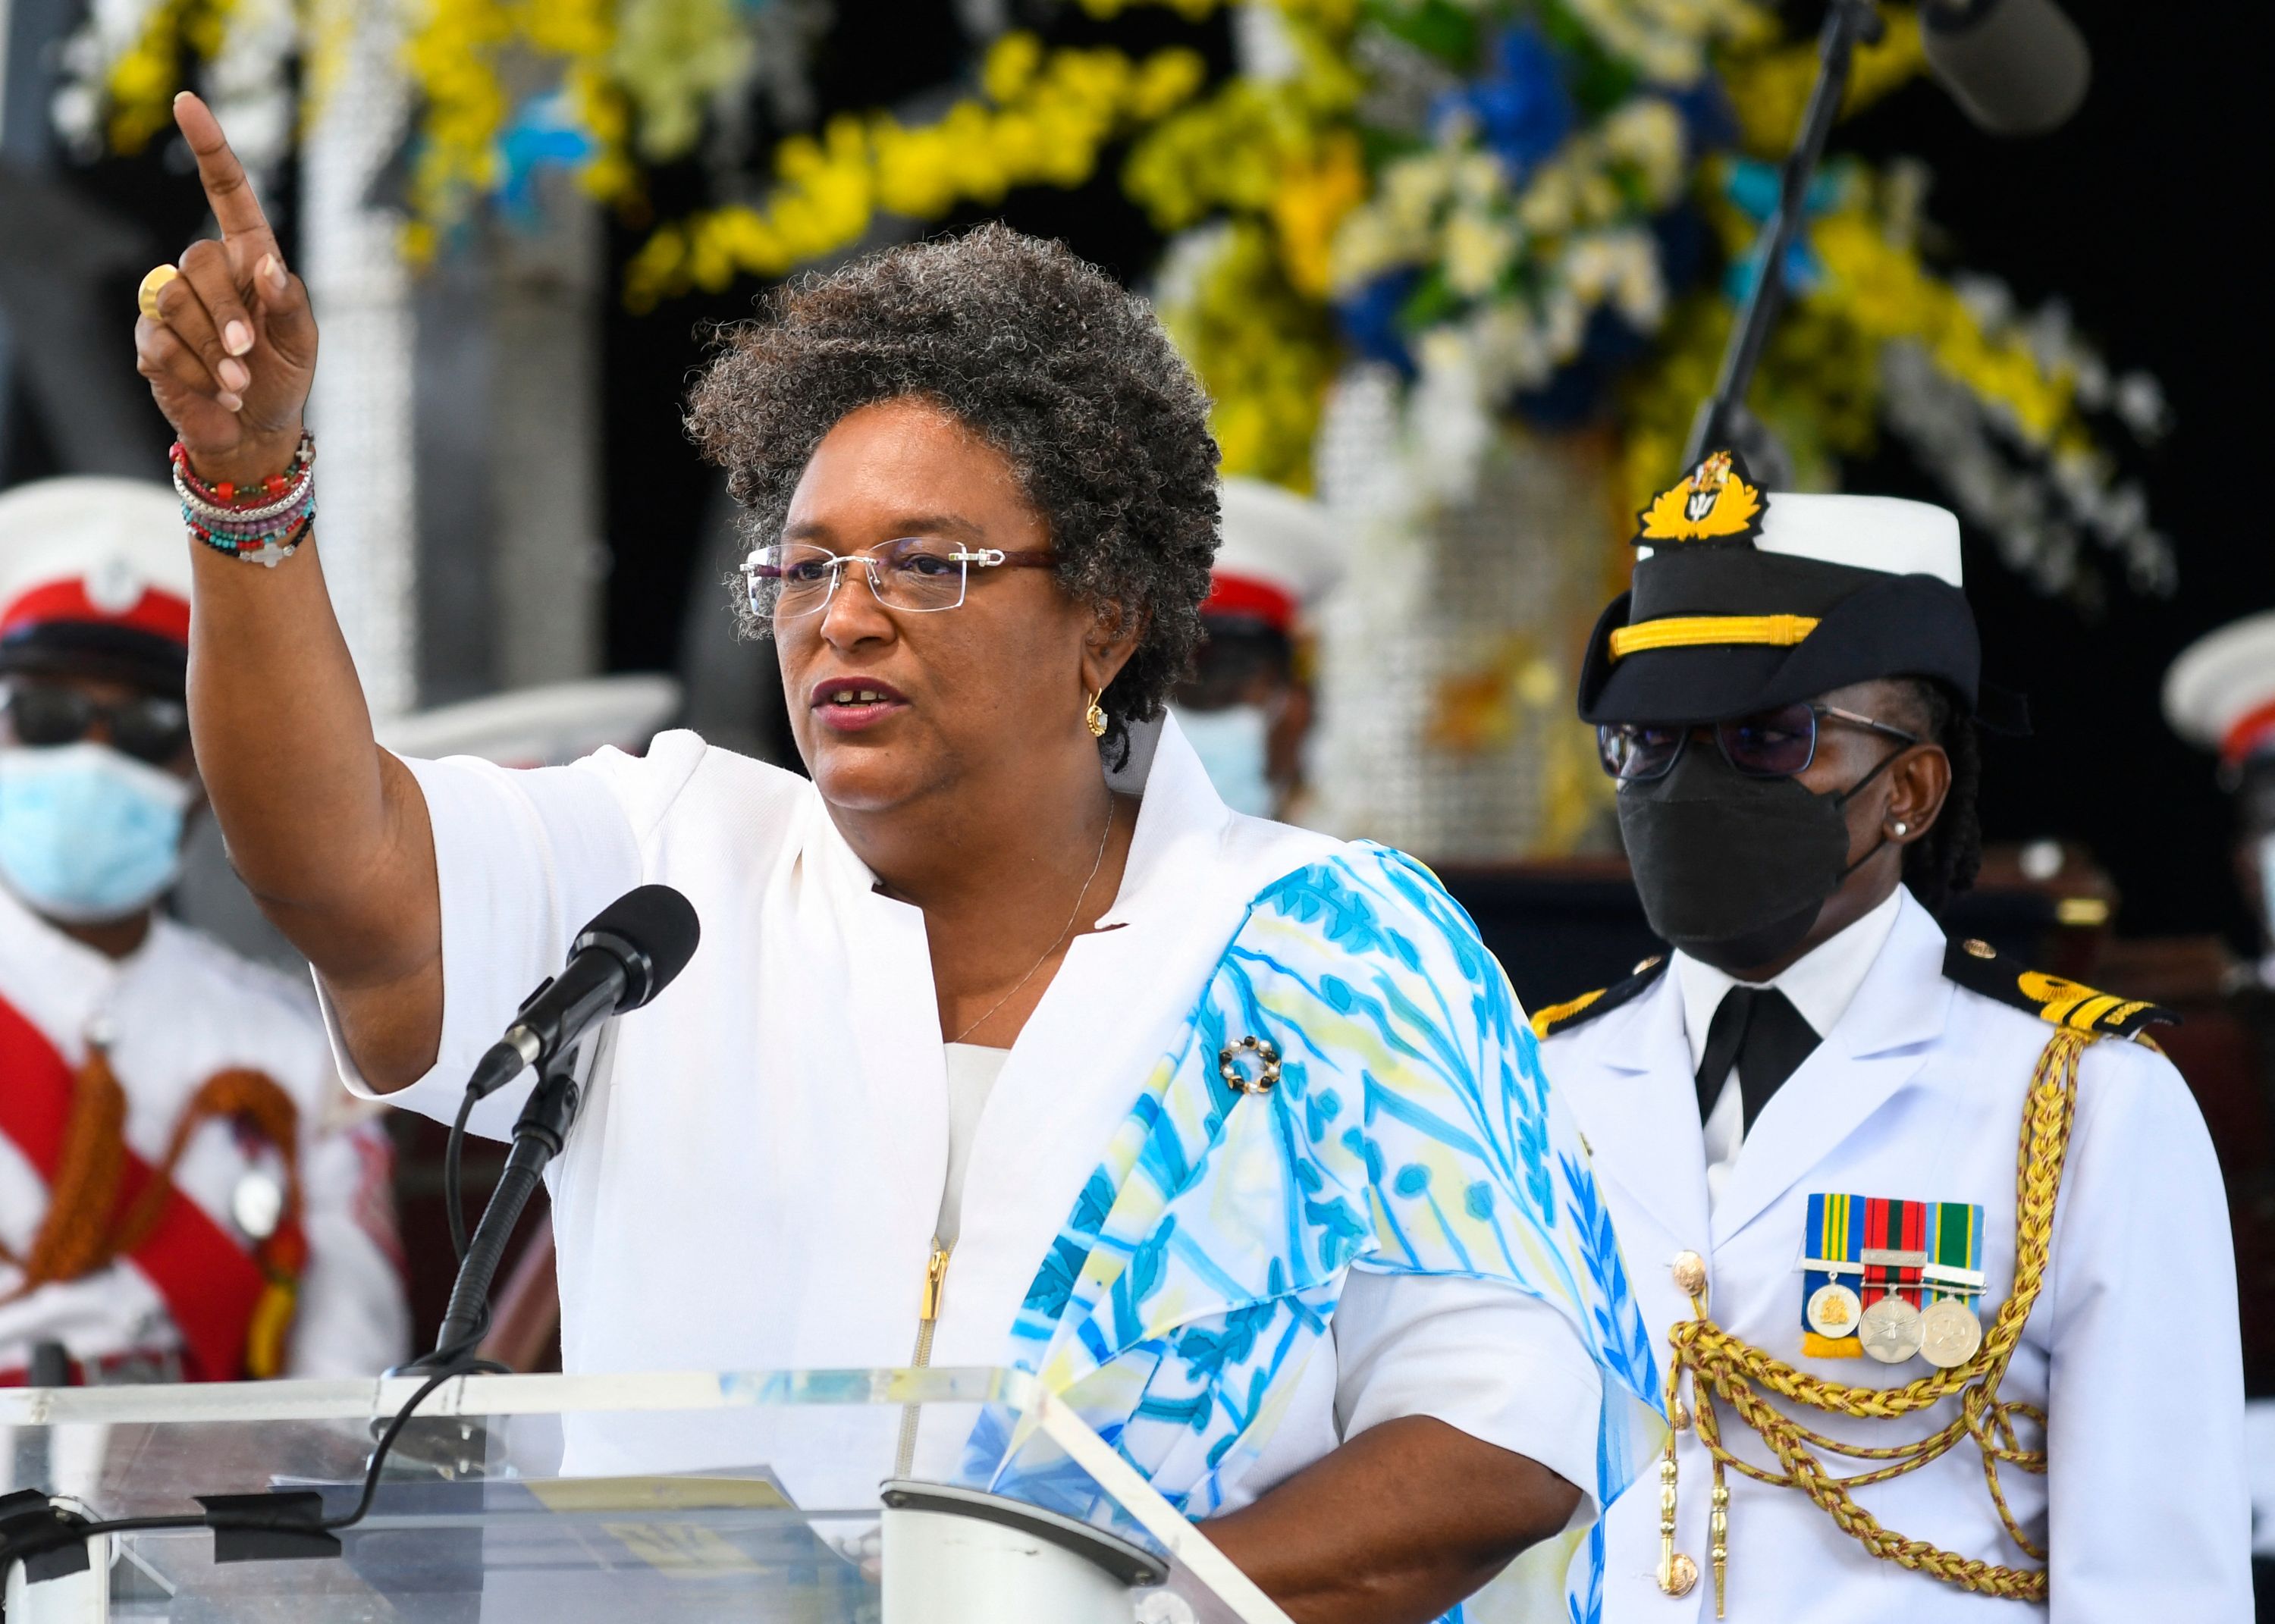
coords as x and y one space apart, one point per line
1094 718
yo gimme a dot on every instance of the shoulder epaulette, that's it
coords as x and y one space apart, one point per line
1575 1012
1980 968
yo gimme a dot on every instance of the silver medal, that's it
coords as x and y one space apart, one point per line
1950 1332
1890 1331
257 1205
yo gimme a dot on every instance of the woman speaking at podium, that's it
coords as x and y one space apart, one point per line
1007 1041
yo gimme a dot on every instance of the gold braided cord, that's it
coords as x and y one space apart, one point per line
87 1228
1723 1369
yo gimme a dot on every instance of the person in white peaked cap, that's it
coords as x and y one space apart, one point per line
2220 695
1902 1383
234 1224
1247 709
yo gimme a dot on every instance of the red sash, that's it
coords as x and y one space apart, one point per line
209 1282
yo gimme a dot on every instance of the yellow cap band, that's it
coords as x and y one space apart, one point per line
1693 630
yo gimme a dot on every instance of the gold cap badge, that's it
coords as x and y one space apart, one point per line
1714 503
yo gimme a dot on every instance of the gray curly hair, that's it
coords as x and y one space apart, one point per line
1040 353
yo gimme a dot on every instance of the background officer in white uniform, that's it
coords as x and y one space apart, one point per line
1807 1121
1247 708
182 1194
2221 695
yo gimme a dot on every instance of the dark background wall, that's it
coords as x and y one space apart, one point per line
2144 214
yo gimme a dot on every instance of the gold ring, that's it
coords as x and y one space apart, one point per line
146 296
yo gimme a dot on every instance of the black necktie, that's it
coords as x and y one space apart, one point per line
1758 1030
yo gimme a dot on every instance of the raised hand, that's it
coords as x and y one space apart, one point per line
233 350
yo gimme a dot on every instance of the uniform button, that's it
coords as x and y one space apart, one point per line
1689 1273
1682 1575
1976 946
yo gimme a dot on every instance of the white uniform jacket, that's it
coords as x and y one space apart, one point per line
1917 1093
178 1009
754 1178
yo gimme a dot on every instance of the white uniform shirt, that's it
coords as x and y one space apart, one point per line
1819 985
756 1175
1917 1093
179 1009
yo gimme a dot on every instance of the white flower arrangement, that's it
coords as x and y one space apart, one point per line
2041 509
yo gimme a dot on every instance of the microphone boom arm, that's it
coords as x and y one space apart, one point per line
1848 24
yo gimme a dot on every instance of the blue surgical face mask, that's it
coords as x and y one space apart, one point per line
86 833
1234 745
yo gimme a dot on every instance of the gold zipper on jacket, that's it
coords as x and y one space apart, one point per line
927 1321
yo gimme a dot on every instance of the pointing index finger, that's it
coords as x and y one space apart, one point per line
228 188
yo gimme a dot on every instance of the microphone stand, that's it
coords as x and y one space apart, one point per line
1722 418
538 1136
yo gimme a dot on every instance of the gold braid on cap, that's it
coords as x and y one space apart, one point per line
1710 630
1723 1368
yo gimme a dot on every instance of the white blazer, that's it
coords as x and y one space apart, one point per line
754 1177
2133 1349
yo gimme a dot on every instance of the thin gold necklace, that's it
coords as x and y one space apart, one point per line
1065 931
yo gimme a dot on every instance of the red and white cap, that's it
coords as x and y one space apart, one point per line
95 579
1279 555
2220 692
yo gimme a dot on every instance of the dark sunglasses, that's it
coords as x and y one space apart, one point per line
148 728
1231 661
1773 744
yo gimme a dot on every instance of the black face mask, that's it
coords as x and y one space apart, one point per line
1735 870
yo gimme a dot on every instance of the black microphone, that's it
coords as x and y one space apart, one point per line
631 950
2015 67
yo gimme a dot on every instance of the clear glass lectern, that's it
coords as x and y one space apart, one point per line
808 1496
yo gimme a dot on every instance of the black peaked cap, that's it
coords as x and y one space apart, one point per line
1870 624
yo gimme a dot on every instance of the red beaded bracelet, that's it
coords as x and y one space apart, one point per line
229 494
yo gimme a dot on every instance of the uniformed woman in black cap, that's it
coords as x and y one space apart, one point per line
1809 1117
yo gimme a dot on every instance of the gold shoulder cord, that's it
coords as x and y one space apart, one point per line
87 1227
1723 1368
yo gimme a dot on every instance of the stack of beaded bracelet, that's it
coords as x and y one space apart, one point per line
259 523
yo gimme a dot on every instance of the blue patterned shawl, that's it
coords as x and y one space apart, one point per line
1412 1132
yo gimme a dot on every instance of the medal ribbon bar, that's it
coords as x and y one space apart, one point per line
1895 1233
1924 1251
1958 1248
